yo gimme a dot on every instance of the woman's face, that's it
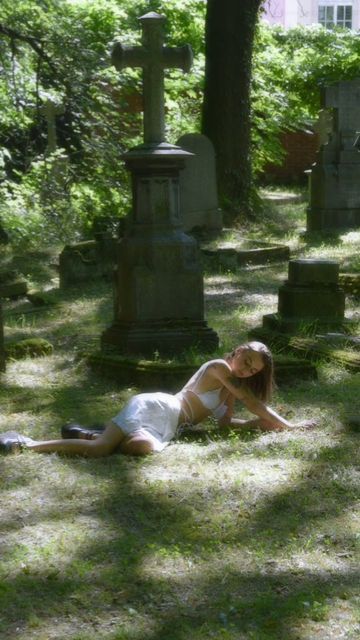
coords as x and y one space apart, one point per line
246 363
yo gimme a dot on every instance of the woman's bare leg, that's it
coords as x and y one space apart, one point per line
136 445
103 445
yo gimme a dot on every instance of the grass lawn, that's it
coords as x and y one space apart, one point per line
248 536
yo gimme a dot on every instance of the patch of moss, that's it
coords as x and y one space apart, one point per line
30 347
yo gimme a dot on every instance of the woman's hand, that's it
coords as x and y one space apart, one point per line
266 425
309 423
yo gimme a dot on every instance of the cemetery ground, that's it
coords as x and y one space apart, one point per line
235 536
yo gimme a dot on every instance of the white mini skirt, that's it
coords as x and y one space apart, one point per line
156 415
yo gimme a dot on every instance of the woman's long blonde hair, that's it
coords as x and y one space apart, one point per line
261 384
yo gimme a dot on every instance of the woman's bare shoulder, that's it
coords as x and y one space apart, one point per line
219 368
218 363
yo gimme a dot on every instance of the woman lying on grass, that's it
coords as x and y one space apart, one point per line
149 421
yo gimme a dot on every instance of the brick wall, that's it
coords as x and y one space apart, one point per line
300 153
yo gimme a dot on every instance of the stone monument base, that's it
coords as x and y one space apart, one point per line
332 219
304 326
311 348
154 376
158 336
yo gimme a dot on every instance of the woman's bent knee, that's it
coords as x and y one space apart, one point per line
107 443
136 447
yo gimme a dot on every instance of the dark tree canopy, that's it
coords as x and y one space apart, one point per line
230 30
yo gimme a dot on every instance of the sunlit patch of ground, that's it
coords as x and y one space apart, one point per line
232 536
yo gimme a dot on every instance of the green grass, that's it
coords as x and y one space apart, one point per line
248 536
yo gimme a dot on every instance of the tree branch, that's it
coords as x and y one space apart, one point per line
35 44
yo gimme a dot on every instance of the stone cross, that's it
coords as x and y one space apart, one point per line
50 110
153 57
344 98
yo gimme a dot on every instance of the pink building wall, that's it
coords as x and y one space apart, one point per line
274 11
290 13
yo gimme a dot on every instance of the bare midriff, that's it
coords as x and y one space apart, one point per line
192 409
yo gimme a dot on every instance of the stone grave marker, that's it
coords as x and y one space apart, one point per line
311 299
159 298
84 261
334 178
198 188
311 315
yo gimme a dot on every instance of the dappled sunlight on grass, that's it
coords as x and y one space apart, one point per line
239 536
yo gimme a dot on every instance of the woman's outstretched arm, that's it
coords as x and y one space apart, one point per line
267 418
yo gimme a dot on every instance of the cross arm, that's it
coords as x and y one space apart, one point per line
178 57
127 56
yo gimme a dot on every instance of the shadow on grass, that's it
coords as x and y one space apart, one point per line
158 555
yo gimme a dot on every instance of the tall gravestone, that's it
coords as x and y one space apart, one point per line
198 187
159 298
335 177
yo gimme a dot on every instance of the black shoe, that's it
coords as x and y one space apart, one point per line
72 430
13 442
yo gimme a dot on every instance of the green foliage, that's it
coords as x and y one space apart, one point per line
290 68
62 49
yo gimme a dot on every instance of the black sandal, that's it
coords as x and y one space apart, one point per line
72 430
13 442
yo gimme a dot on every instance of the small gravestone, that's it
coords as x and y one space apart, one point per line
198 190
311 299
84 261
335 177
12 285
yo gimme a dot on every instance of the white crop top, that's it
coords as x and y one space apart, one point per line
209 399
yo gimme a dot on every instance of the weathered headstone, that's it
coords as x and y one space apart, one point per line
310 300
198 189
335 177
159 299
84 261
12 285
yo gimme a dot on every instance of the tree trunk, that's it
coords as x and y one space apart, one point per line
230 29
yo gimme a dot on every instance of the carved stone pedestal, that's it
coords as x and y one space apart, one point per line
310 300
159 298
